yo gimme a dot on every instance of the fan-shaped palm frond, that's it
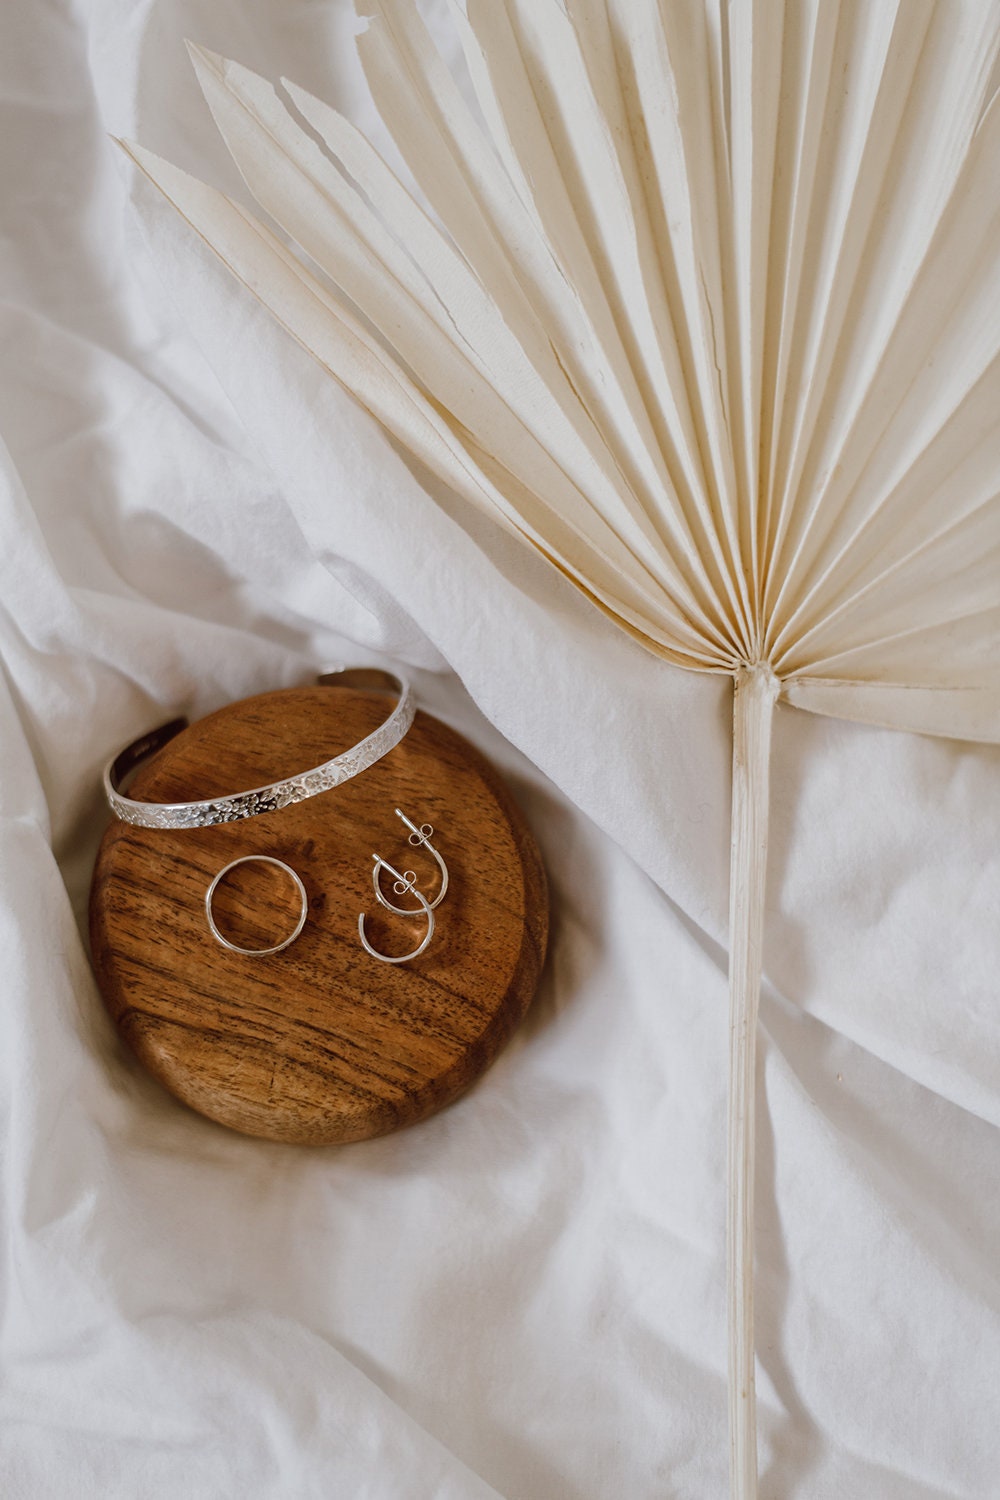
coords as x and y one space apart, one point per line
703 301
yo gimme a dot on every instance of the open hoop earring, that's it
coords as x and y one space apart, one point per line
417 836
402 884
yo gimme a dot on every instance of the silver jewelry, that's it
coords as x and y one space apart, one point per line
262 859
402 883
261 799
417 837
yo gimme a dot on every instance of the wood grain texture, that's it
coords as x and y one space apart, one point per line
318 1043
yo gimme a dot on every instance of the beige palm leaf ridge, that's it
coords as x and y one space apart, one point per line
702 300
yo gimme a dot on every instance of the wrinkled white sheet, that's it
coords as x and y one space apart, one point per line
524 1296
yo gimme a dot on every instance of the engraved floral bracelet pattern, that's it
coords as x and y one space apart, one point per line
261 799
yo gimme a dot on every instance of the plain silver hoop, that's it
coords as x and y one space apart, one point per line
417 837
256 859
405 882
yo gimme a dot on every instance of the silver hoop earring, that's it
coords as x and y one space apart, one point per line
402 884
417 837
262 859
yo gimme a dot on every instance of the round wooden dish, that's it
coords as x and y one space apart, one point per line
318 1043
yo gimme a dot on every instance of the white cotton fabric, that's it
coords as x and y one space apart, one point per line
524 1296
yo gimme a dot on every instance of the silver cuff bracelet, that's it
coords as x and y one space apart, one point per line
261 799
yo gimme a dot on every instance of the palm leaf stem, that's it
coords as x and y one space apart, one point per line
756 690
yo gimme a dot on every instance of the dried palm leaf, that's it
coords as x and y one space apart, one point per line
702 301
